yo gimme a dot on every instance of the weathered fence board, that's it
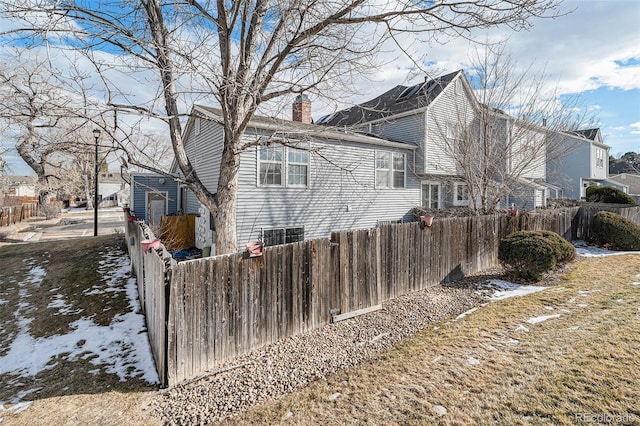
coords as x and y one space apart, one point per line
12 215
221 307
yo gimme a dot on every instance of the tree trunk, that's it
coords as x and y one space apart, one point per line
46 208
225 210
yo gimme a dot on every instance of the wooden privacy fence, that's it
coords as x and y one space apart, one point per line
204 312
225 306
153 272
16 214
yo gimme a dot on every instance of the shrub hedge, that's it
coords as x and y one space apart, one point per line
529 254
608 194
614 231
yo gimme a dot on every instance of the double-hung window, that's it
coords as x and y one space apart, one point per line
297 167
271 159
430 195
460 194
599 157
283 166
390 169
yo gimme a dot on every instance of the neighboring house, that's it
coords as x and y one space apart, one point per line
112 189
299 181
629 180
584 162
20 186
153 196
438 115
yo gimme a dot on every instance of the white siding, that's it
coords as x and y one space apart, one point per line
450 107
204 150
408 129
528 153
341 194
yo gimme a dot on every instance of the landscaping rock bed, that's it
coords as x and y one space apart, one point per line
282 367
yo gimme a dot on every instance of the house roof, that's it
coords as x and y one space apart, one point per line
395 101
299 129
15 180
590 134
632 180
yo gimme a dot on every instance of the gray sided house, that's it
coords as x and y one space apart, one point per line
584 163
153 196
299 181
437 115
628 183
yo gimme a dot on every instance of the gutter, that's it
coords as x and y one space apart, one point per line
320 132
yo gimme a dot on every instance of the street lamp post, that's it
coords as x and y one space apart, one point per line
96 135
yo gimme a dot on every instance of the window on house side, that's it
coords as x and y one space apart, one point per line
293 235
599 157
461 194
431 195
453 131
297 167
274 237
390 170
271 165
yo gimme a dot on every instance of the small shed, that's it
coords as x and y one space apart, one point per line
153 196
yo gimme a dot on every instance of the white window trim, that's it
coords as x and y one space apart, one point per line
391 154
259 162
600 158
434 183
284 164
456 190
196 126
286 171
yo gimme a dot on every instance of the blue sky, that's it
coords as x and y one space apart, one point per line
592 52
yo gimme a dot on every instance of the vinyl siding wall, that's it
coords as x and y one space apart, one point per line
528 153
143 183
341 194
204 150
568 170
452 106
405 129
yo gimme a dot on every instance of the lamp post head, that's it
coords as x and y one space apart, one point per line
96 133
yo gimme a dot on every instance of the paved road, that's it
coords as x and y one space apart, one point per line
72 224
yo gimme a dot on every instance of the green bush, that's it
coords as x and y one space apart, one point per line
614 231
608 194
529 254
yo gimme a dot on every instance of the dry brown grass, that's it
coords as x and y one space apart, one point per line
69 391
563 371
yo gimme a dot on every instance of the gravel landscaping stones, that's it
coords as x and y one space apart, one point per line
277 369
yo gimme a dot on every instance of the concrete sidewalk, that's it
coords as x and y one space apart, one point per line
72 223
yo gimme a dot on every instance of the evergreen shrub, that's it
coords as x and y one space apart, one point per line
529 254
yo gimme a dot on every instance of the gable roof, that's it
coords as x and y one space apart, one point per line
590 134
296 129
395 101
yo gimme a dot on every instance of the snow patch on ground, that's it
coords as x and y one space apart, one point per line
504 289
464 314
582 249
121 348
536 320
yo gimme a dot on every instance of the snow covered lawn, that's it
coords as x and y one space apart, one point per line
78 333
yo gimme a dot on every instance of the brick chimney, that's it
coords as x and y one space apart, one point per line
302 109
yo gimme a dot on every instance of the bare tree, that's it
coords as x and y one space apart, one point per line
501 139
245 54
32 110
